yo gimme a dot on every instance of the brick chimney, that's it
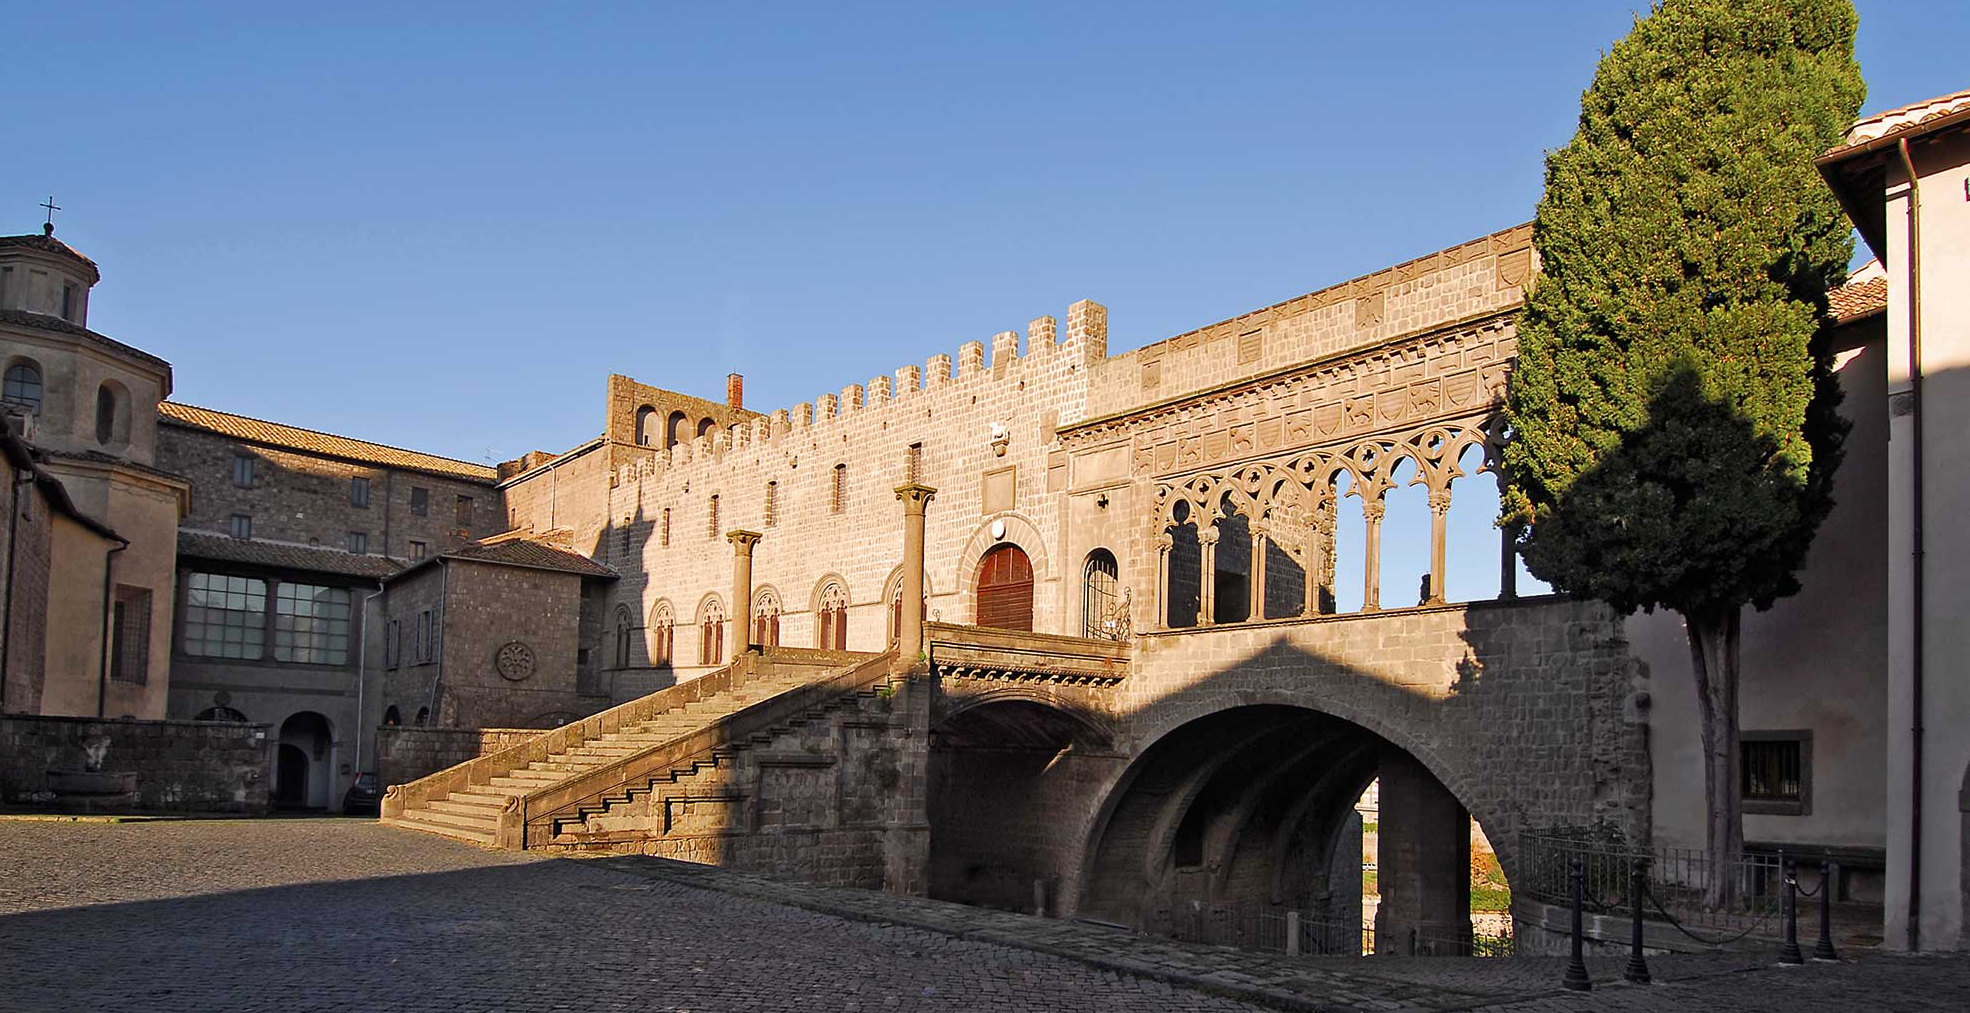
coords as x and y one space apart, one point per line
735 391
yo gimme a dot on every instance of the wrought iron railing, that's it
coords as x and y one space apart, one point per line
1271 929
1712 899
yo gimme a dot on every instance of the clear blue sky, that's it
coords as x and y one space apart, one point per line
443 228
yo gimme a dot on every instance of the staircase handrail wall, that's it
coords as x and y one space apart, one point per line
398 798
545 805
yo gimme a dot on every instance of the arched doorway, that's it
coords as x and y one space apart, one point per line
303 762
1000 773
1005 588
1250 812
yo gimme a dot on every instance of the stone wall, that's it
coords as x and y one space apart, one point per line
405 754
27 557
510 652
306 499
180 766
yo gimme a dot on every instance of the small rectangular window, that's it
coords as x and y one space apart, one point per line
913 463
666 533
772 504
464 511
392 648
68 302
358 542
417 549
242 525
838 492
420 501
243 471
424 636
1775 776
711 514
359 493
130 636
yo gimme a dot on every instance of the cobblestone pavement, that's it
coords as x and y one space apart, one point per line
305 915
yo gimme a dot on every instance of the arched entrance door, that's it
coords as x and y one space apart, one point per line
302 763
1005 589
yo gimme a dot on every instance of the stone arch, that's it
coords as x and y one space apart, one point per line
1097 728
646 426
677 429
23 384
1102 606
392 717
1350 735
892 589
661 633
765 616
113 415
828 603
706 426
1019 530
997 779
304 761
624 629
711 618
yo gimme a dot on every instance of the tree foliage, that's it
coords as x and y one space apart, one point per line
1673 408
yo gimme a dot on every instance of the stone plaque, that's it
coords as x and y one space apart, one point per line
1000 489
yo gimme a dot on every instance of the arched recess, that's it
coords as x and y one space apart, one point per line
662 633
1243 810
892 599
677 429
304 762
829 604
625 629
706 426
766 616
1102 608
646 426
1002 766
220 714
113 415
1011 528
711 630
1005 589
392 717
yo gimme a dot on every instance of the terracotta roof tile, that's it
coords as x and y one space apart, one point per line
521 552
1859 299
1906 119
200 545
314 442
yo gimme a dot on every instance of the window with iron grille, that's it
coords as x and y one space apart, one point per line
1775 776
130 636
225 616
311 624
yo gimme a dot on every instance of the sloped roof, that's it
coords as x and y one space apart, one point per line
47 243
520 552
201 545
311 441
1894 122
1859 299
44 322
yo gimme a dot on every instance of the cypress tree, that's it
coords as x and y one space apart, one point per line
1673 410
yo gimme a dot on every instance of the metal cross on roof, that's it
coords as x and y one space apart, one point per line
52 208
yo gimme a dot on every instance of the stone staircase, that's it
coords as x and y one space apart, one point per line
609 756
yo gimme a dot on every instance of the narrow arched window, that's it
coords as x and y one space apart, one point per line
833 610
646 426
105 414
22 386
706 426
622 638
1099 597
676 430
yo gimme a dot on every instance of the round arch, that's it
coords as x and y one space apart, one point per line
304 761
1146 799
1018 530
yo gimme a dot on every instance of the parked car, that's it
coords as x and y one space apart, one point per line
365 797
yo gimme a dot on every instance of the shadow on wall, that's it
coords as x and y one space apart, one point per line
1233 783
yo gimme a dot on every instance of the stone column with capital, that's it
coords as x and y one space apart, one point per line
1371 589
741 611
1160 618
1207 579
1439 520
909 630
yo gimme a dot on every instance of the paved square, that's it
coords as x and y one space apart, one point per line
303 915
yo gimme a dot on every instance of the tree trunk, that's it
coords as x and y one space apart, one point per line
1713 640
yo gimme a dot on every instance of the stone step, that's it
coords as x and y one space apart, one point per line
524 781
484 823
560 767
488 810
414 821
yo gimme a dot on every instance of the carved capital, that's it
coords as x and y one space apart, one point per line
1440 502
1165 541
1208 536
915 496
1373 509
743 541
